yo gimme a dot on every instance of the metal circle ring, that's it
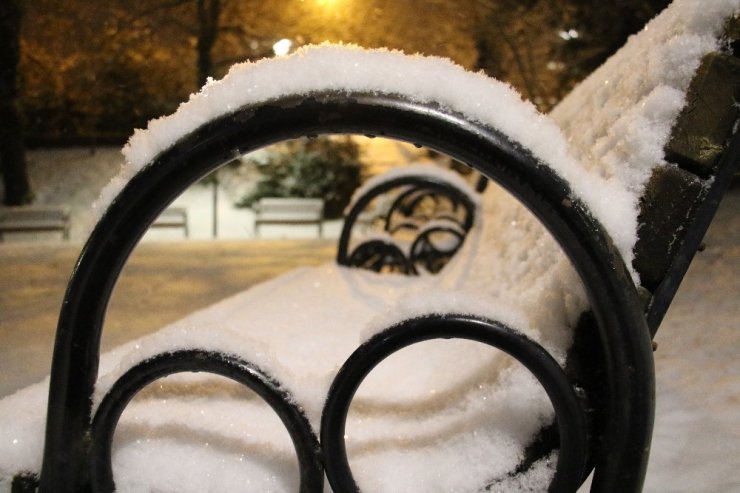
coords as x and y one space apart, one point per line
161 365
570 418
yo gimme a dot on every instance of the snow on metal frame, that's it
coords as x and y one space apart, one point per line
418 78
625 126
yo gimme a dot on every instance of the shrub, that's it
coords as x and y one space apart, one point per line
329 168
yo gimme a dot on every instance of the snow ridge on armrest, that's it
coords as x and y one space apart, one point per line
417 78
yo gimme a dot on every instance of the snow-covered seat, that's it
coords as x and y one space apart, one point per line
423 420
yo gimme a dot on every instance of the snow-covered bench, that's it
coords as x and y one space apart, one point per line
173 217
288 210
550 274
33 219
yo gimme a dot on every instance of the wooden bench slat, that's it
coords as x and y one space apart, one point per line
701 130
667 206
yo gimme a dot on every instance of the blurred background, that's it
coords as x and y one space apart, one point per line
76 77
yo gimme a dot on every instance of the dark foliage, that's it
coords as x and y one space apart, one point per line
323 167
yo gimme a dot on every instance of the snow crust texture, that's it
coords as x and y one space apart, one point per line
618 121
438 416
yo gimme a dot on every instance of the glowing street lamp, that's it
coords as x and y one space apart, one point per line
282 47
569 34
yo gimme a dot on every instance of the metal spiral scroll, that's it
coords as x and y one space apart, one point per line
571 422
423 210
135 379
431 253
381 256
420 203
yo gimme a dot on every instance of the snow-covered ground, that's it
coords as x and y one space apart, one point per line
696 445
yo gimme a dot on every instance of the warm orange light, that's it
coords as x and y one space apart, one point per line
282 47
327 3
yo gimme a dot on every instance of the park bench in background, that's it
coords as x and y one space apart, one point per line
417 218
288 211
682 197
46 219
34 219
173 218
602 393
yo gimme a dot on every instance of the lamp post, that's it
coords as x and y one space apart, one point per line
215 206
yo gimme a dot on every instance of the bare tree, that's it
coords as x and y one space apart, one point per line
205 28
208 17
12 150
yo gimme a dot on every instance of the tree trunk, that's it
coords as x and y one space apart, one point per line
208 13
12 151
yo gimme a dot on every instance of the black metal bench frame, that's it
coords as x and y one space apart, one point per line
407 192
618 449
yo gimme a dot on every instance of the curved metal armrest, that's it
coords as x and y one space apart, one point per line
621 334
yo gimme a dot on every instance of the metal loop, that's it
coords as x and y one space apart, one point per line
570 418
414 203
621 333
431 255
380 256
419 199
161 365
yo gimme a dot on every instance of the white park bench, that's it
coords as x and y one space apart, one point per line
288 211
34 219
173 218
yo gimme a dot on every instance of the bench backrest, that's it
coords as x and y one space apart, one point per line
679 173
690 164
